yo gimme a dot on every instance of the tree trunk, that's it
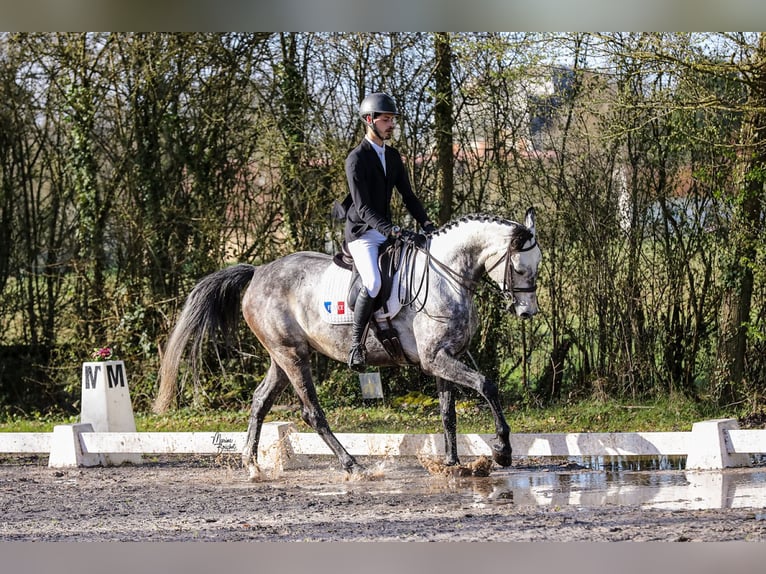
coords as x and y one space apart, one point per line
443 117
742 241
549 384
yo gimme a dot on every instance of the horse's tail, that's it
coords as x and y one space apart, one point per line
213 305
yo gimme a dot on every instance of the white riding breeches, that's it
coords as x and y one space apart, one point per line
365 253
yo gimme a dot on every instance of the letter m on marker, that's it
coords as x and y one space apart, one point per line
91 376
115 375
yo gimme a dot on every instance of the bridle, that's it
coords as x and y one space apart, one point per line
508 290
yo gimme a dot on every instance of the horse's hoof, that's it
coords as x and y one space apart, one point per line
501 456
356 471
254 472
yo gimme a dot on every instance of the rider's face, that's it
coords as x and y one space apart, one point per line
385 124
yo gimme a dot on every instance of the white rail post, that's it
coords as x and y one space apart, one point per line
709 446
66 448
275 449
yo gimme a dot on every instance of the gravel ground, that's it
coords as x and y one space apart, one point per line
211 499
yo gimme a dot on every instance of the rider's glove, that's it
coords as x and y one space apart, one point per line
429 227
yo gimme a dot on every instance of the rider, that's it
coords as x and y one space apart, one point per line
373 170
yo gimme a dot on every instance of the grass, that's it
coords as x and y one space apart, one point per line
421 415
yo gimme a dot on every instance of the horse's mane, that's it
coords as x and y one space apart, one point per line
520 234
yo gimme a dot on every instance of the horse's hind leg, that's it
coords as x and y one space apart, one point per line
298 368
446 392
263 399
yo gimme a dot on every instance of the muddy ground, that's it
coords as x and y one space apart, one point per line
212 499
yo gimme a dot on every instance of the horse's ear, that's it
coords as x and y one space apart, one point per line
529 219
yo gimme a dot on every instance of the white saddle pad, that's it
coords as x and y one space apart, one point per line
333 288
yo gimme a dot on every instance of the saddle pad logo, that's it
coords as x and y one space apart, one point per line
340 307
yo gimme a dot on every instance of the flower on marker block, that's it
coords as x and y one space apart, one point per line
102 354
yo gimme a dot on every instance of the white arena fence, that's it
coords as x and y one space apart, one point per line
712 444
107 436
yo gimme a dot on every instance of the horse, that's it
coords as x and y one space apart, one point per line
283 306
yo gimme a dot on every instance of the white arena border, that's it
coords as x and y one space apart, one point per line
710 445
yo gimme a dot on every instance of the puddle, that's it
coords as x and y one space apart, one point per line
733 488
604 481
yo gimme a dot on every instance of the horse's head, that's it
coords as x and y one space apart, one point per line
518 277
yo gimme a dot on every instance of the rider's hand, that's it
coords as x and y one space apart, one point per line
429 227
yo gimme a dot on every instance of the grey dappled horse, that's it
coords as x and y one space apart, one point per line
282 305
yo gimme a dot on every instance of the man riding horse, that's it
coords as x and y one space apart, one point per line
373 170
285 307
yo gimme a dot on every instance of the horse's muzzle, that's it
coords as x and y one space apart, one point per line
525 310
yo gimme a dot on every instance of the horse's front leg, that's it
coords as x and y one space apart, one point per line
445 366
263 399
446 392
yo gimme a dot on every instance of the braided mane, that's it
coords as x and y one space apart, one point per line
520 234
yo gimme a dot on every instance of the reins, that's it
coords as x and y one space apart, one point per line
412 248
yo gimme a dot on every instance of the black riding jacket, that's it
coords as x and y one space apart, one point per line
371 189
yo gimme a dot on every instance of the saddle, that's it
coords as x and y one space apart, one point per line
389 258
389 261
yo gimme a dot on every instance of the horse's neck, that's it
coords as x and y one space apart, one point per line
468 246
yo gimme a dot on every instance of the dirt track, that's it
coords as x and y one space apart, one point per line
207 499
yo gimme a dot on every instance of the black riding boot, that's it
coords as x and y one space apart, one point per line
357 358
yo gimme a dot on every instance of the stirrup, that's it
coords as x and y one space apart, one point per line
357 358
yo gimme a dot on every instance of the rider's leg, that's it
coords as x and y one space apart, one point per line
365 253
357 357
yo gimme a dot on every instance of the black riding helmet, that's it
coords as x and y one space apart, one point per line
374 104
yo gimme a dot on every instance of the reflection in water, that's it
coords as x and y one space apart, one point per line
623 463
666 489
661 483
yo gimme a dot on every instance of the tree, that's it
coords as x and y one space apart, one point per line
745 234
444 122
133 164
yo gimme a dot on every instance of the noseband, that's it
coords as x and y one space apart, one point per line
508 290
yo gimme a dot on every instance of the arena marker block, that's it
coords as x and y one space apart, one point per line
372 387
106 404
